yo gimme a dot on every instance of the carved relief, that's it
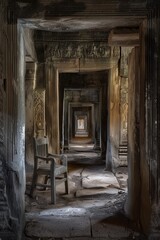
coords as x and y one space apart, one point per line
124 109
39 112
77 50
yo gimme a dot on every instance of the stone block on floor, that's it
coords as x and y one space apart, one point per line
96 178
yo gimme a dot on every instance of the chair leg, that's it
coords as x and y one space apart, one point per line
34 181
53 188
66 183
45 181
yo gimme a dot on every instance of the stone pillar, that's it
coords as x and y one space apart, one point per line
132 206
52 107
112 159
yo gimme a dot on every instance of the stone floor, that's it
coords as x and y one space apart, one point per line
94 209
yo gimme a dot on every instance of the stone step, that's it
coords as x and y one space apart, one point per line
123 150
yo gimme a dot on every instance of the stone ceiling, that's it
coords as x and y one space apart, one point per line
80 15
70 24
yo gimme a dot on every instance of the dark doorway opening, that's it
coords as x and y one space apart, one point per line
83 102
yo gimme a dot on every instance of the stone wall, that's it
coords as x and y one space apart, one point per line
151 33
11 129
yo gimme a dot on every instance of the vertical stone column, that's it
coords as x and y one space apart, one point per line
123 110
52 107
153 115
132 206
112 159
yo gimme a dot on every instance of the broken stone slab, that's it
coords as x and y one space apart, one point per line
96 177
57 226
90 192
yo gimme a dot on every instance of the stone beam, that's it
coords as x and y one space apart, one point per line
124 37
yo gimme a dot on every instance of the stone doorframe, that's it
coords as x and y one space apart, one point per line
52 88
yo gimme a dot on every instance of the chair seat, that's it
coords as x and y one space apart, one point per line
45 170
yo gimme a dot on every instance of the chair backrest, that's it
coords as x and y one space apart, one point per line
41 146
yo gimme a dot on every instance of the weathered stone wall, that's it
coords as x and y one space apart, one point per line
11 129
152 160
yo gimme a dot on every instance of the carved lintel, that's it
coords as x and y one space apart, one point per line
77 50
124 37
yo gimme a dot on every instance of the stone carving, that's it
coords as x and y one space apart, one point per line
124 109
77 50
39 112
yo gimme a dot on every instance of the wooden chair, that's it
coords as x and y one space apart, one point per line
52 166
